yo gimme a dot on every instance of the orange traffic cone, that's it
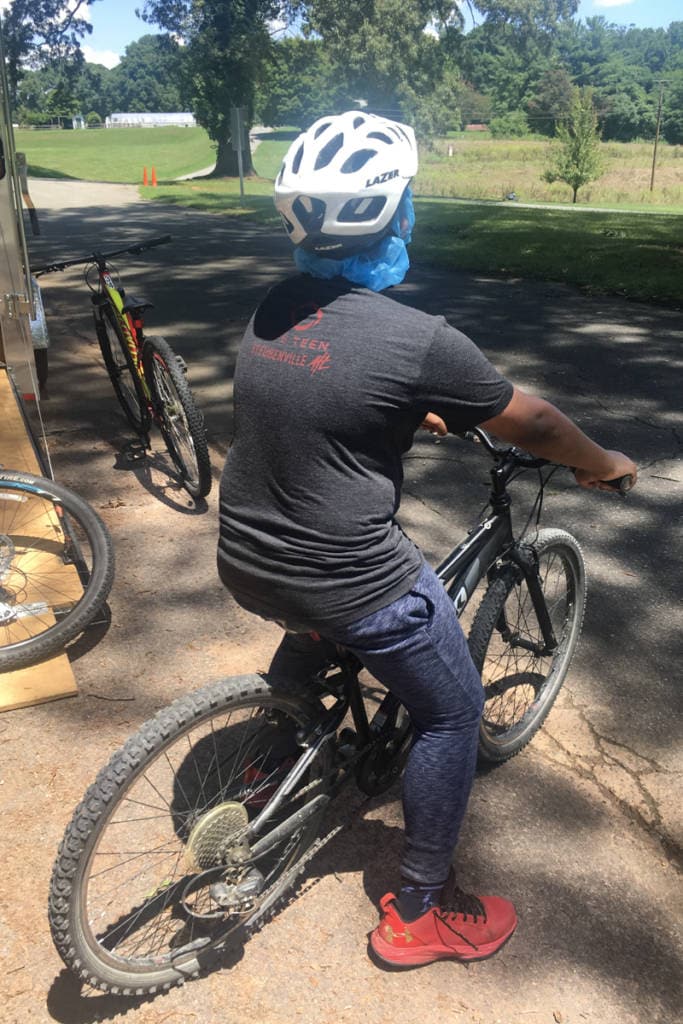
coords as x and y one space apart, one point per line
154 177
144 176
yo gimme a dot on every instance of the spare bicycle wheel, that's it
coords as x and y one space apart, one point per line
56 567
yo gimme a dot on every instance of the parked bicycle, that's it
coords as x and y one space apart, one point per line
56 567
149 379
199 826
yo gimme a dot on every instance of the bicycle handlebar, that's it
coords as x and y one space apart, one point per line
526 460
97 257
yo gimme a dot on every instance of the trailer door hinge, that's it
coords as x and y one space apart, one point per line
16 304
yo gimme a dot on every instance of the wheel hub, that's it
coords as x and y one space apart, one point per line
7 553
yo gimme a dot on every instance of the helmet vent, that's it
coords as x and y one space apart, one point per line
361 211
288 226
322 128
357 160
381 136
358 121
310 212
296 162
328 152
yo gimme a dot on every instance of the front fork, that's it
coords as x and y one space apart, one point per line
526 560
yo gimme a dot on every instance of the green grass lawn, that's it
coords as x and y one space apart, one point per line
115 154
626 253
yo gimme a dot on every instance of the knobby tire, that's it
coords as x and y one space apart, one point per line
173 789
180 421
56 567
520 685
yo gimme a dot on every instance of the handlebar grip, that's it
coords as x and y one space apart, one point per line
620 483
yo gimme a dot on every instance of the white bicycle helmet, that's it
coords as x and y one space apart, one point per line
342 180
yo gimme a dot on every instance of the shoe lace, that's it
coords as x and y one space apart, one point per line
455 901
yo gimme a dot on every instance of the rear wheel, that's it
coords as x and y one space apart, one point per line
521 678
180 421
122 371
165 857
56 567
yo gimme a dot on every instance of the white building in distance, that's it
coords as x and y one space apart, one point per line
149 120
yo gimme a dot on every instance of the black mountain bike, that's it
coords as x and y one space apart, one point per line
199 826
148 378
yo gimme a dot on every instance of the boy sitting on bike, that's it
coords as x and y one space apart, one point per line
332 381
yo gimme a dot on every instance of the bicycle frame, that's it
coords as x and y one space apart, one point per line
131 328
460 572
107 293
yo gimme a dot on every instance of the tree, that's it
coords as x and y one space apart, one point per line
550 101
672 111
225 43
396 55
576 160
297 85
38 33
147 76
515 47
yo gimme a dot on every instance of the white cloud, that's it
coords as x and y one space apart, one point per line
106 57
83 11
612 3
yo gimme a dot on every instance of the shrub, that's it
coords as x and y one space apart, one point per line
512 125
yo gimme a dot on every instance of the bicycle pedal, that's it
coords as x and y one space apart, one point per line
135 451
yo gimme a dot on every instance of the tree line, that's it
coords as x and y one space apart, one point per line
516 71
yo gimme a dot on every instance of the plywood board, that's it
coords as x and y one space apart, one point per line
16 447
53 678
50 680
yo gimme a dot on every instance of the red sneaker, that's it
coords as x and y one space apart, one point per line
463 927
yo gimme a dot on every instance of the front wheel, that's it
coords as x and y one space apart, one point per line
180 422
521 678
175 846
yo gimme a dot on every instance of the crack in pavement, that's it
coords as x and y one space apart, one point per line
604 754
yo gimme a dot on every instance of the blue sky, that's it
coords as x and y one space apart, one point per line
115 24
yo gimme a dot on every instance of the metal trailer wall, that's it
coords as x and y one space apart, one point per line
17 306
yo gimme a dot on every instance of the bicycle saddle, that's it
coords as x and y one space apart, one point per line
133 304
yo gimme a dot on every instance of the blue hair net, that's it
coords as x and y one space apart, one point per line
382 265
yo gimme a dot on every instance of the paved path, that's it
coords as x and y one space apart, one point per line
582 830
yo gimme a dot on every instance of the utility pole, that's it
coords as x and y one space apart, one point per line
661 84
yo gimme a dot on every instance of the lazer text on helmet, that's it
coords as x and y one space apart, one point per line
381 178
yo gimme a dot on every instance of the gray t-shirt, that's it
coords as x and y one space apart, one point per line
331 383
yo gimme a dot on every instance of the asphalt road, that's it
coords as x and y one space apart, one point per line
582 830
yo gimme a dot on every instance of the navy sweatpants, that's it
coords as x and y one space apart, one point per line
416 648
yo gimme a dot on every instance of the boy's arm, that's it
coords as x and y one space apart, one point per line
540 428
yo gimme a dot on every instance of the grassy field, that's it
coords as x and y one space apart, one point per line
461 223
115 154
485 168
